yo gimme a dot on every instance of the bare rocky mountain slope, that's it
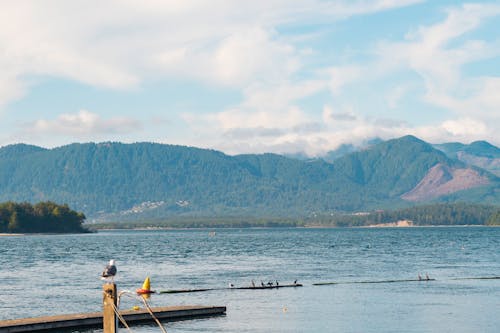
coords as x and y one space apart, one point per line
443 180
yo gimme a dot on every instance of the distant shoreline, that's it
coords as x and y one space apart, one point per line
397 224
373 226
43 233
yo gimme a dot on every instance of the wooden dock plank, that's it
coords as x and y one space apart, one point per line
94 319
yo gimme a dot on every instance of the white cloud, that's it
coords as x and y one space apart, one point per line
82 124
241 119
118 44
341 76
438 53
465 127
287 131
239 45
10 89
464 130
426 54
252 53
242 57
278 96
326 11
44 39
268 119
396 95
334 118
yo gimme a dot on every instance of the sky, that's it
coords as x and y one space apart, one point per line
281 76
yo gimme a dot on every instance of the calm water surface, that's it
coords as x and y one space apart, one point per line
56 274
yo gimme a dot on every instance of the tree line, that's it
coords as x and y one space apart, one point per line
424 215
107 179
432 214
39 218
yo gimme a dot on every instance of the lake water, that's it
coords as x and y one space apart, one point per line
56 274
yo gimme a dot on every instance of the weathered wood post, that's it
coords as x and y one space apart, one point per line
109 303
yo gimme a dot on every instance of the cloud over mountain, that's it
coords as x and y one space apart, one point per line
218 69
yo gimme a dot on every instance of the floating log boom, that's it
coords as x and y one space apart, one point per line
382 281
271 287
178 291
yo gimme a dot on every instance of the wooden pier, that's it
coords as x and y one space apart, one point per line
95 319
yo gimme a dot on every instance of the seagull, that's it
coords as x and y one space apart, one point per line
109 271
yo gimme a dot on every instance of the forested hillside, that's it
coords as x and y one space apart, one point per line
479 153
40 218
117 181
422 215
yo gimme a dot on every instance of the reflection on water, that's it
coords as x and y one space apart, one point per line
56 274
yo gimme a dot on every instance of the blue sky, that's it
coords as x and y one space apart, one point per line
249 77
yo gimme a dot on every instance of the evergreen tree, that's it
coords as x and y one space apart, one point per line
43 217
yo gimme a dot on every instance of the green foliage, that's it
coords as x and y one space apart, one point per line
108 179
479 153
483 149
425 215
203 222
477 148
494 218
42 217
434 214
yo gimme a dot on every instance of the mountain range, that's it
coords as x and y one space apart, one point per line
117 181
479 153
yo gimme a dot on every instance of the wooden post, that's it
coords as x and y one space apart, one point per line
109 303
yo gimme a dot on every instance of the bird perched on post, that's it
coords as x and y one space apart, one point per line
109 271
